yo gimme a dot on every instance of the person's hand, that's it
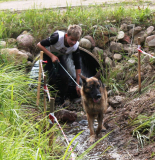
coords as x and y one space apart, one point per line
78 90
55 59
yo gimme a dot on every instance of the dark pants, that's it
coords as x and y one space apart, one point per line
56 74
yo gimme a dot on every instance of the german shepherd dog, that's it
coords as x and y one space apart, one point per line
94 101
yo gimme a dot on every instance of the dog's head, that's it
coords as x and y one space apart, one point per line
91 87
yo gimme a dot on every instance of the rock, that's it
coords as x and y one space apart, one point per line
98 53
135 30
132 61
75 124
115 101
13 53
29 64
107 53
142 36
90 38
30 56
146 59
2 44
153 33
66 116
120 35
110 109
85 43
102 41
148 67
11 41
108 61
130 49
25 41
124 27
117 57
150 41
113 38
149 30
119 66
84 122
116 47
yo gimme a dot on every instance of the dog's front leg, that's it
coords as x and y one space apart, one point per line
90 119
99 119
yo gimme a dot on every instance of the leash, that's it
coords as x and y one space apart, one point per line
69 75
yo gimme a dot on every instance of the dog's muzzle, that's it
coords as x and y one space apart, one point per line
97 98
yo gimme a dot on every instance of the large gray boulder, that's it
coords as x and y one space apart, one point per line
13 54
85 43
150 41
25 41
135 30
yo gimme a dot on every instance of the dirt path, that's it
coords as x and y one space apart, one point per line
31 4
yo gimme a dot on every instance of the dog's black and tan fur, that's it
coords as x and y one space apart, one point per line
94 100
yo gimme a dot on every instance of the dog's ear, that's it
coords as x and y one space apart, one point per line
98 74
83 78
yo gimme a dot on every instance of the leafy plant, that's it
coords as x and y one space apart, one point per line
109 78
145 129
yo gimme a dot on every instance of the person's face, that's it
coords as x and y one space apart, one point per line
71 40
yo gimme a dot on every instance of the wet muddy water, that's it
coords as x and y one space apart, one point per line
82 144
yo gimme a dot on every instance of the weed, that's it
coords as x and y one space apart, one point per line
145 129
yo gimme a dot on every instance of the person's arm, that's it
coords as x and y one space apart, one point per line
48 53
46 43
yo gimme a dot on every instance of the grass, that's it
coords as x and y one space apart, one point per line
145 129
43 24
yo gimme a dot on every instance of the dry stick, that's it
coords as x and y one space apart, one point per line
139 67
39 79
51 137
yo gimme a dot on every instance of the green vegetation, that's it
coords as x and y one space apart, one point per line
145 129
46 21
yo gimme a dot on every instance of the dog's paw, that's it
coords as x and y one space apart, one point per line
92 139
